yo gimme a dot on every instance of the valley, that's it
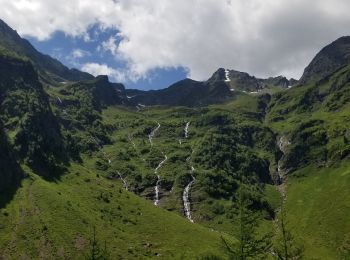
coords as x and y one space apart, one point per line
198 170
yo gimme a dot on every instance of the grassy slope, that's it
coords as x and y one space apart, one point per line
174 170
322 231
55 220
318 200
318 210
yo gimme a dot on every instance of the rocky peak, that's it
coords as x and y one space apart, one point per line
328 60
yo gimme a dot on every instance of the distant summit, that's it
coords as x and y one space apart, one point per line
242 81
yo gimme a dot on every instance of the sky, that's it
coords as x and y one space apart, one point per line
150 44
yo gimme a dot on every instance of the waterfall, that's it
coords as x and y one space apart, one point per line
186 129
186 197
123 180
157 187
151 135
282 145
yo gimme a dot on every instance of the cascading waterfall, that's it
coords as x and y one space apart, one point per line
186 132
123 180
282 145
131 141
186 129
157 187
186 197
151 135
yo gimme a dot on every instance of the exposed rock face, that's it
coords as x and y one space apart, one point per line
24 103
10 172
328 60
244 82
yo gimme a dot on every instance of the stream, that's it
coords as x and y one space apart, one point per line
123 180
186 129
157 187
151 135
282 145
186 197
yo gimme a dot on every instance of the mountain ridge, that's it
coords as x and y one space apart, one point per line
81 164
330 58
48 66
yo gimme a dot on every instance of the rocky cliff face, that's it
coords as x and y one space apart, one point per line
10 172
27 116
328 60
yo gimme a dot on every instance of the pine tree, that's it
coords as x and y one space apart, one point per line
286 248
249 245
96 253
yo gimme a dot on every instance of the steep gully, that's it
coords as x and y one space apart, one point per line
282 143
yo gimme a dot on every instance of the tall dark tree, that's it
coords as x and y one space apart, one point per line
286 248
97 252
249 245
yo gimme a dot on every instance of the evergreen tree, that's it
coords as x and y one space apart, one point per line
249 245
96 252
286 247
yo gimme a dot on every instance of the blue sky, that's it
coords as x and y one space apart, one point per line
159 42
74 52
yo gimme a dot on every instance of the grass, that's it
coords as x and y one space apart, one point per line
56 219
318 210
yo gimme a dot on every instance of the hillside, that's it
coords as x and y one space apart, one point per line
328 60
173 173
50 69
222 86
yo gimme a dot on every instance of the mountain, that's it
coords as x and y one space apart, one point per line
49 69
203 168
220 87
328 60
10 172
27 116
183 93
244 82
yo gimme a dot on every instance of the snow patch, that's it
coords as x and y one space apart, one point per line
227 75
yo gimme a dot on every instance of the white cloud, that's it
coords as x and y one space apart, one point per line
103 69
264 38
110 46
78 53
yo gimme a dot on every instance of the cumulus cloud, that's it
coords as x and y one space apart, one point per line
109 46
97 69
78 53
265 38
